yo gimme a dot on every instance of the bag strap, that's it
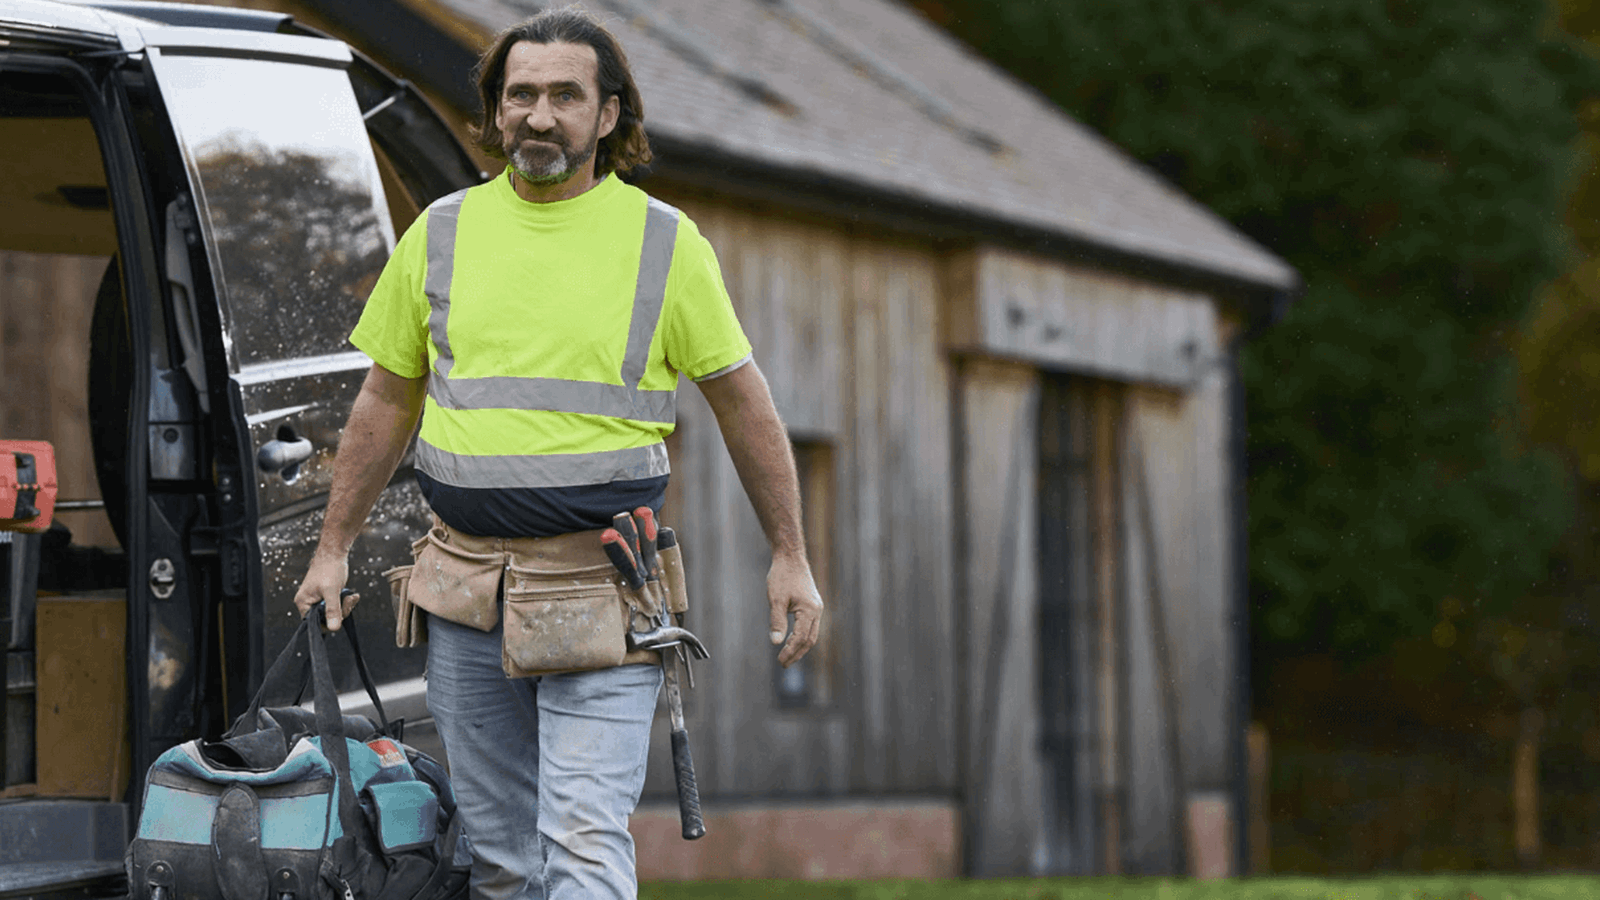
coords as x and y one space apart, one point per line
330 718
291 672
366 674
278 675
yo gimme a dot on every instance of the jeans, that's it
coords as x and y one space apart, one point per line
546 770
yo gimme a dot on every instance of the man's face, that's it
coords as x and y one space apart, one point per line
551 118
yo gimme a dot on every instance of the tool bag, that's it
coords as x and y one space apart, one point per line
298 805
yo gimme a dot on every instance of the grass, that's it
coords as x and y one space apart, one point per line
1390 887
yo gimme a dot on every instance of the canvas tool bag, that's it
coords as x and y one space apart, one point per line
293 804
566 607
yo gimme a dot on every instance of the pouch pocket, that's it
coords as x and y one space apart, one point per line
562 621
456 584
410 622
406 814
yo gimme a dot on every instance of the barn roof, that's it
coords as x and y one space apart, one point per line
869 95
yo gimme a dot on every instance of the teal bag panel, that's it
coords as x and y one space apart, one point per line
297 823
407 814
179 816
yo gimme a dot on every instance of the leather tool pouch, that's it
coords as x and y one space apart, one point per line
560 618
410 620
455 583
674 580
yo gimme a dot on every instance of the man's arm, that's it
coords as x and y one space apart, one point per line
381 423
759 445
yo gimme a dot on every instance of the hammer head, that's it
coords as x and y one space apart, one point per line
667 636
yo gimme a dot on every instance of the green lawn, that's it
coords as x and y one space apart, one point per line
1396 887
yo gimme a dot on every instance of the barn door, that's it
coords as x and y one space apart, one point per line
1065 624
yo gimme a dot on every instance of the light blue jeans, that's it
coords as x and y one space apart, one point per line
546 770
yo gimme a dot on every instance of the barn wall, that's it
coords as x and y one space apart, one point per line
845 327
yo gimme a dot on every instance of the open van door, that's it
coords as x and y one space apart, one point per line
291 209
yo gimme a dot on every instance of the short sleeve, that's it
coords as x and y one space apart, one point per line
701 331
393 329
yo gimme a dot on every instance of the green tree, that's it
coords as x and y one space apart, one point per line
1409 157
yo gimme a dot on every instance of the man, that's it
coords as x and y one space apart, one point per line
505 320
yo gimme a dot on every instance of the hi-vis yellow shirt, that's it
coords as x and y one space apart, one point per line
552 333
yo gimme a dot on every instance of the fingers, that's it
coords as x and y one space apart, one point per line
807 627
337 611
778 619
323 582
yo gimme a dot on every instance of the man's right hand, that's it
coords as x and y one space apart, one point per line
324 580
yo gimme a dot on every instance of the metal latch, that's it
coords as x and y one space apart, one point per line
163 578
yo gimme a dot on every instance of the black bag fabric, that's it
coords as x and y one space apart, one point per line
298 805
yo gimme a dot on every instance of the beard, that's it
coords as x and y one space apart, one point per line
540 164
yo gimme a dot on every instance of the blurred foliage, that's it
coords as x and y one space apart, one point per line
1436 887
1411 158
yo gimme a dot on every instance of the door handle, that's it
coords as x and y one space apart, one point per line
284 456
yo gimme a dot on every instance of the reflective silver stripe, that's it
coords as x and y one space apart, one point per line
555 395
650 290
442 218
551 470
624 401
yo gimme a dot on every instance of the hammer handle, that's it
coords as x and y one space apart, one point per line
694 825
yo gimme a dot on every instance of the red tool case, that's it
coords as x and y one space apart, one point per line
27 485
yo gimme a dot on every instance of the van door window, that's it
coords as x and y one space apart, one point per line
291 197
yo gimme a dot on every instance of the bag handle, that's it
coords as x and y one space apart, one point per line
280 677
365 673
330 728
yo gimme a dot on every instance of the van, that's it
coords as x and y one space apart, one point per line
194 204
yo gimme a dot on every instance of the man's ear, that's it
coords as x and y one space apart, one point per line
610 111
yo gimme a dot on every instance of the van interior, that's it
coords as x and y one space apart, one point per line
63 352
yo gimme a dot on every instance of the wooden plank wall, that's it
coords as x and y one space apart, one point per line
46 303
1085 320
1004 777
1178 445
845 326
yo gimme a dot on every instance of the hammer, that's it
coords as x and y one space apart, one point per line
668 638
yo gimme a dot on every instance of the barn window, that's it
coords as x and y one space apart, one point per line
808 684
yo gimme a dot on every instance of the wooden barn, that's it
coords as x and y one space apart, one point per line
1006 354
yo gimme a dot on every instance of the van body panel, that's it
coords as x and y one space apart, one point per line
54 25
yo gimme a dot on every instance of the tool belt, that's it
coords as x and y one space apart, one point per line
566 607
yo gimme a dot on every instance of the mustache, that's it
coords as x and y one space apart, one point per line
548 137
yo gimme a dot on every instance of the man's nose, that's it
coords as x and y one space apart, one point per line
541 116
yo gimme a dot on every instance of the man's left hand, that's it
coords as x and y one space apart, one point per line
791 590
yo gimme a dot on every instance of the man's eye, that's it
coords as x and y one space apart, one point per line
567 96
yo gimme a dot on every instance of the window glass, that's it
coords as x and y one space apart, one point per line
292 200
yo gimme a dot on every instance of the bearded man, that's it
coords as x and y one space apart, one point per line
537 325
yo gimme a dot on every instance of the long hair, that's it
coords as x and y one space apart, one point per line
626 147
